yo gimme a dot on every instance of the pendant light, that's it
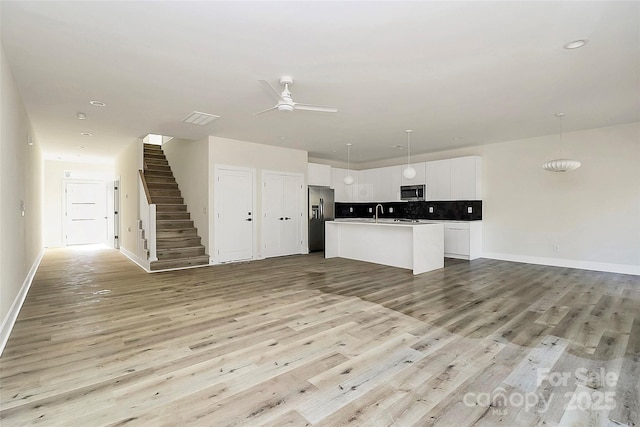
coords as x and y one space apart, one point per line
561 165
348 179
409 172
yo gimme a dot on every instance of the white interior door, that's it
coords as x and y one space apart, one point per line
282 209
234 229
273 216
86 213
291 203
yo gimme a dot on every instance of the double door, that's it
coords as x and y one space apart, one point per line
282 206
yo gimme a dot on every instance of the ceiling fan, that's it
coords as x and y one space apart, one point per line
285 101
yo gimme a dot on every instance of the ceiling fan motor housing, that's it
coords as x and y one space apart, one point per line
286 80
285 107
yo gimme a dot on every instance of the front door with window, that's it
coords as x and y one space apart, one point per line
86 213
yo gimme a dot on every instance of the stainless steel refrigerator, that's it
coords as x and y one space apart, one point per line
321 209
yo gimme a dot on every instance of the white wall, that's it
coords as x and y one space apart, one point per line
189 161
592 215
53 199
127 164
260 157
20 182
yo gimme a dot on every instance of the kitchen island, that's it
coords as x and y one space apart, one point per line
414 246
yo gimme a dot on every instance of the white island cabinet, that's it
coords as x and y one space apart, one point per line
417 247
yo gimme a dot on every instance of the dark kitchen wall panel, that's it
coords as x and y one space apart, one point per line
454 210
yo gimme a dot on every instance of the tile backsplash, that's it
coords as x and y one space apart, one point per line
454 210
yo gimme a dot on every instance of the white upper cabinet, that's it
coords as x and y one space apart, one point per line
420 174
318 174
454 179
448 179
438 179
465 178
391 180
368 183
342 191
379 184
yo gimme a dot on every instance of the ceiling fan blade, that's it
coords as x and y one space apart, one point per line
274 93
268 109
310 107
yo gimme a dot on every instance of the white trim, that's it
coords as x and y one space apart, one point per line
141 263
10 320
569 263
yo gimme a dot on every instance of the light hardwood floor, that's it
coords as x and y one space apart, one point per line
301 340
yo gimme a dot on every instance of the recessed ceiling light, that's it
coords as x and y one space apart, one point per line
97 103
86 134
83 147
576 44
81 116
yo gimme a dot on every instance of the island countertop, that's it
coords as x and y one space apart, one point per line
418 246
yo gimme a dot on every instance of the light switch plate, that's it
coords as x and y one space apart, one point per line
469 209
430 209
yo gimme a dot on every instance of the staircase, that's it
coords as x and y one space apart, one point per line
177 241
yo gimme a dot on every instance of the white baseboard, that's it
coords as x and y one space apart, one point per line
10 320
143 264
569 263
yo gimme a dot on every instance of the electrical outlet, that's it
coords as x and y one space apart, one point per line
370 210
469 209
556 247
390 210
350 209
430 209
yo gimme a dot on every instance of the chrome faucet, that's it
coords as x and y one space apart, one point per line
381 211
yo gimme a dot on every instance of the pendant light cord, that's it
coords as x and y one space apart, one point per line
408 148
560 116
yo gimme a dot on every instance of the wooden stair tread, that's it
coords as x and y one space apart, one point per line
177 242
180 263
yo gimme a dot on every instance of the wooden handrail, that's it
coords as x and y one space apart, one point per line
144 184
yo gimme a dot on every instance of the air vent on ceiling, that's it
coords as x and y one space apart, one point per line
198 118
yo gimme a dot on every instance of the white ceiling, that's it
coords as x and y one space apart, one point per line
457 73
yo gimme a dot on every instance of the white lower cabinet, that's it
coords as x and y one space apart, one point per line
463 240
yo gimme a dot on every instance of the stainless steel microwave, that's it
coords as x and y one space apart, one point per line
412 192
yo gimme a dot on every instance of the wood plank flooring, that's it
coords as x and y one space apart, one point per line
305 341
